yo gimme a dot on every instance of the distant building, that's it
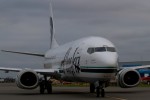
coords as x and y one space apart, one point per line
7 80
1 80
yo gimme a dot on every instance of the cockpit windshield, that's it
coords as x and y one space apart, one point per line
100 49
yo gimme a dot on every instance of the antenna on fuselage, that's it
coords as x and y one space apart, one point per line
53 42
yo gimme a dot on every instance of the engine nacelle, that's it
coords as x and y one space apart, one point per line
128 78
27 79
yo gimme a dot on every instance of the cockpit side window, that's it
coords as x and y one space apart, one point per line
90 50
111 49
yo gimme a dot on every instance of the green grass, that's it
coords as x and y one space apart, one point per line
87 85
72 85
143 85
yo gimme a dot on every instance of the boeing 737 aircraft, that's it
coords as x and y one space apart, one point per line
92 59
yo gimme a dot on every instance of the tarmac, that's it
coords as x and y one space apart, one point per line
10 91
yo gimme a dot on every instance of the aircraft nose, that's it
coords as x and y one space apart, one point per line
110 60
107 59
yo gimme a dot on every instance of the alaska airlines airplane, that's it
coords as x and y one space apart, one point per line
92 59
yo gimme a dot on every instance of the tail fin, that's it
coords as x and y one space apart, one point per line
53 42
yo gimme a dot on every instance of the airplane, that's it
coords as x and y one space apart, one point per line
92 60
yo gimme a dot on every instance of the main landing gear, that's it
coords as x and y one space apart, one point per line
99 89
45 85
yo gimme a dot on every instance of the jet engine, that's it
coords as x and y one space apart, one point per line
128 78
27 79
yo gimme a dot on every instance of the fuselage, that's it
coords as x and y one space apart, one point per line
89 59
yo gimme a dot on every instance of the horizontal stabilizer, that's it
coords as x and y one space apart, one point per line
25 53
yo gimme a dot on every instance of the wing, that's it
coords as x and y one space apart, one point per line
140 67
135 65
10 69
49 72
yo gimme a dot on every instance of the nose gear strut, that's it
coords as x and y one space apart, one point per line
99 86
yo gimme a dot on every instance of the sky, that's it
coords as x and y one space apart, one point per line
24 26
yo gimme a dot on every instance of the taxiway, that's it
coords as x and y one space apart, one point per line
11 92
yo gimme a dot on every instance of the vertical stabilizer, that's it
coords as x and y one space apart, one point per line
53 42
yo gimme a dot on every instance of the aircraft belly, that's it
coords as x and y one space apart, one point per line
88 77
92 77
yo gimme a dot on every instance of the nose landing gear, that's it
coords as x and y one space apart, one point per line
99 89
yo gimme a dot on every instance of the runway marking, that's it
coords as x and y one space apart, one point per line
116 98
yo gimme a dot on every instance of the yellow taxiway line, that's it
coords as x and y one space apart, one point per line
116 98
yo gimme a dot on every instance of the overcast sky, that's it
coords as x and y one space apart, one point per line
24 26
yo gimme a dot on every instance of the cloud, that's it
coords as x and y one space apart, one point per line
24 26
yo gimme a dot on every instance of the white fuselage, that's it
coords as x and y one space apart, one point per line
89 60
